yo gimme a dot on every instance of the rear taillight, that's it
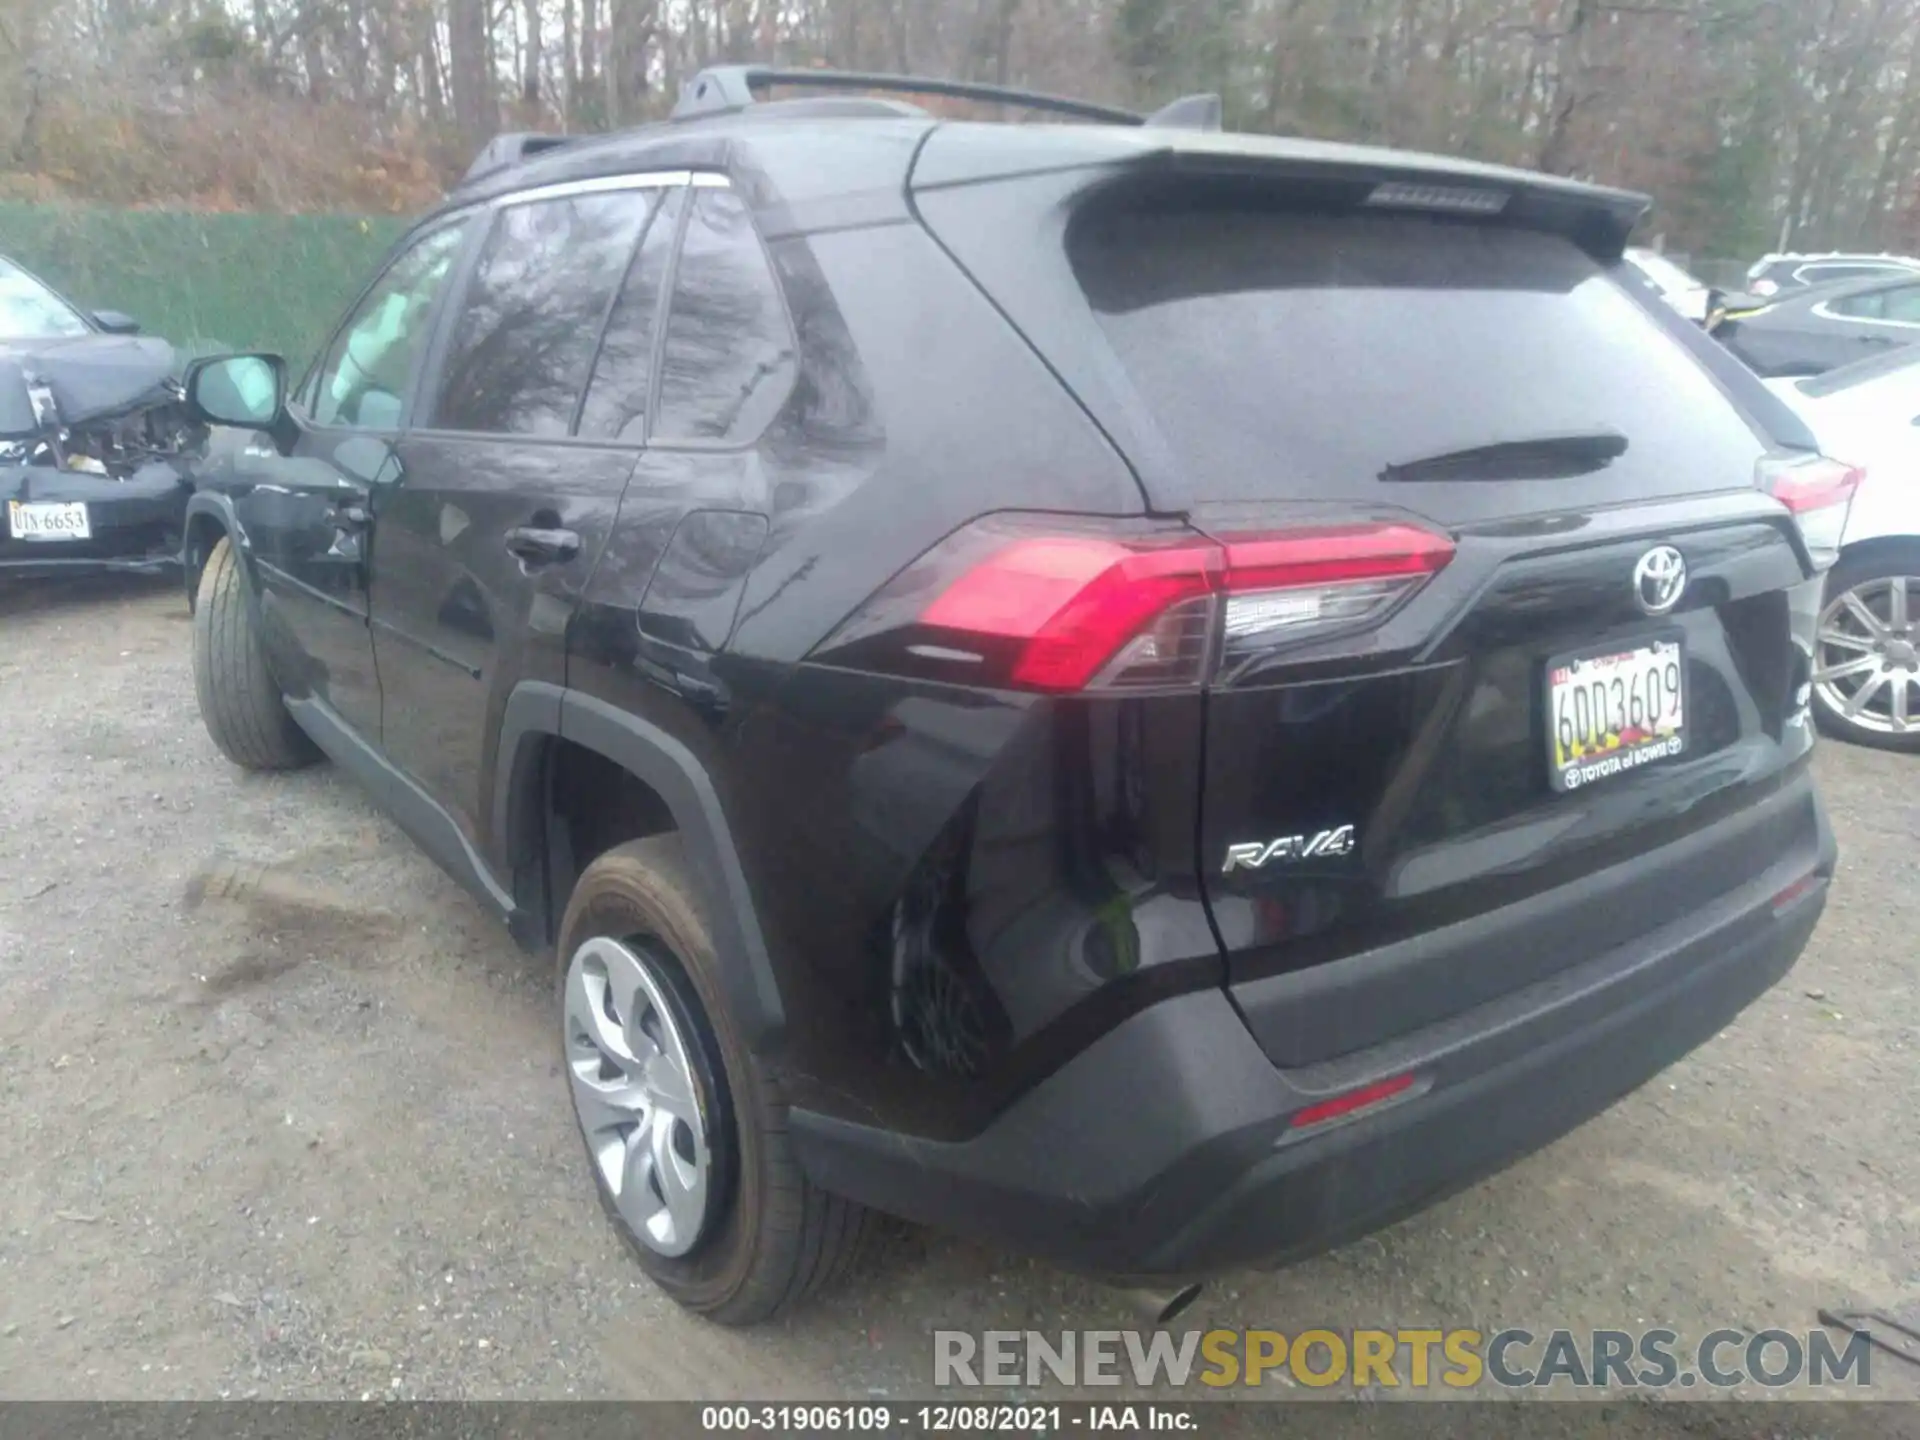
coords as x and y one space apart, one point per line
1282 587
1033 603
1819 492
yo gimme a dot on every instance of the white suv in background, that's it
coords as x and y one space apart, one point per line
1867 672
1773 275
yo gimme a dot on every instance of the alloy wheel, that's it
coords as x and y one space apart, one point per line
1868 671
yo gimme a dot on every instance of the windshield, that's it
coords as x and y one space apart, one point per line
30 311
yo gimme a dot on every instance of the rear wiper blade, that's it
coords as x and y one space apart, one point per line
1539 457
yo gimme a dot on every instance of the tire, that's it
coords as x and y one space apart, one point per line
239 701
1884 583
769 1238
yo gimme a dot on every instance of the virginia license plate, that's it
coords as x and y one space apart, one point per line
48 520
1612 712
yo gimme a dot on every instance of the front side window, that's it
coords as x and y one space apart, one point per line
527 326
364 381
30 311
729 361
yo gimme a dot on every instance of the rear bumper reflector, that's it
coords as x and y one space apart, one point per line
1797 891
1355 1103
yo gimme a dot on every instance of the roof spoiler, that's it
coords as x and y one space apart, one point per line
727 89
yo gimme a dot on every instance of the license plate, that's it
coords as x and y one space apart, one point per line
1615 711
48 520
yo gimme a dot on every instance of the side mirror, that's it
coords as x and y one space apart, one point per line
246 390
115 322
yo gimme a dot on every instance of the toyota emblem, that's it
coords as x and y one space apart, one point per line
1660 579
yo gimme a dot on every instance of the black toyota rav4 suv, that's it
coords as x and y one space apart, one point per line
1157 697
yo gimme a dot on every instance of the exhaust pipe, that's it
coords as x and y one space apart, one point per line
1158 1307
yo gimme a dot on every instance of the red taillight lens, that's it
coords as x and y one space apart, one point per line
1286 587
1129 610
1333 555
1073 601
1820 493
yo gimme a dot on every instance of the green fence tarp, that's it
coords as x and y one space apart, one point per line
207 282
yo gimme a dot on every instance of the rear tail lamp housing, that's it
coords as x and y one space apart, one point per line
1819 492
1037 603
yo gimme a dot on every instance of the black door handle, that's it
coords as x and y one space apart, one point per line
542 547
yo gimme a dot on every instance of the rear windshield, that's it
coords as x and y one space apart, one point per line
1295 355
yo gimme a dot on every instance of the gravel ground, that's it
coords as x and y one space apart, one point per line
279 1115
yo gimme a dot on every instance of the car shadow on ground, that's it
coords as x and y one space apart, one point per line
31 595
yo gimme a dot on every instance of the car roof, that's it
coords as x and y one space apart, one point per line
1844 289
818 150
1846 257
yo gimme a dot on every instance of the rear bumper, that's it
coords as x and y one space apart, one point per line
1164 1151
137 523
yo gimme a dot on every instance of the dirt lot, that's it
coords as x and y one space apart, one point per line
279 1117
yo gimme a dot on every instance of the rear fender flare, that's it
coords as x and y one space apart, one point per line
535 712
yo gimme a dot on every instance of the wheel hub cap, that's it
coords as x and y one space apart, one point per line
633 1092
1867 669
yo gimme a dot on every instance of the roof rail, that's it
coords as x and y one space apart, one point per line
505 150
721 89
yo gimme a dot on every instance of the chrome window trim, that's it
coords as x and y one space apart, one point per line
603 184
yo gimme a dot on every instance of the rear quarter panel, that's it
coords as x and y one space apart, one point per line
917 409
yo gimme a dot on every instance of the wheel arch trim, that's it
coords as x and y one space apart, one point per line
537 712
204 505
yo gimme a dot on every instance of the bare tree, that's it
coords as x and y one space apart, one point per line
472 85
1745 118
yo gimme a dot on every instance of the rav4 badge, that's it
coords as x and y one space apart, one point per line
1257 853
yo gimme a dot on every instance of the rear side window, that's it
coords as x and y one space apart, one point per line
1291 355
729 361
616 405
525 334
